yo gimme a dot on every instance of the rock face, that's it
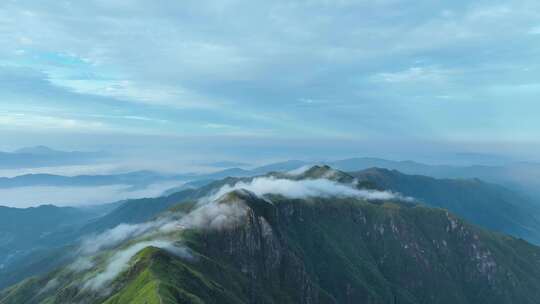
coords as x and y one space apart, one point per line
260 251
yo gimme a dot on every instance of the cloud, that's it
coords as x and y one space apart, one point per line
535 30
120 261
214 215
81 264
415 75
111 238
117 235
51 285
303 189
25 120
192 54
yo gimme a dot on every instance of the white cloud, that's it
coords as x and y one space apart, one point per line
136 92
214 215
417 75
25 120
81 264
120 261
192 54
535 30
51 284
115 236
303 189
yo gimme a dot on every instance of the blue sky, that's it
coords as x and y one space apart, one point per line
315 78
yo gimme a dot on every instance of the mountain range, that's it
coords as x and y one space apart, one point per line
136 179
41 156
316 235
523 177
485 204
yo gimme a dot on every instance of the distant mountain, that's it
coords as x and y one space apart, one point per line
42 156
236 172
469 159
37 150
188 185
271 248
520 176
137 179
26 227
481 203
282 166
23 231
227 164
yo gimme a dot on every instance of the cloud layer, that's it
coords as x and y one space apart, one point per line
304 188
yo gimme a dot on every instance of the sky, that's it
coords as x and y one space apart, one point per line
272 79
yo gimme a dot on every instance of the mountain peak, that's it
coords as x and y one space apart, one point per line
321 172
235 195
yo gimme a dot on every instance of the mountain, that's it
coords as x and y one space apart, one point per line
188 185
47 231
485 204
520 176
25 231
24 228
41 156
310 238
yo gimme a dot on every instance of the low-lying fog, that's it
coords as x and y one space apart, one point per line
77 196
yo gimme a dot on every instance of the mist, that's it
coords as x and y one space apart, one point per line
120 260
117 235
24 197
304 189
